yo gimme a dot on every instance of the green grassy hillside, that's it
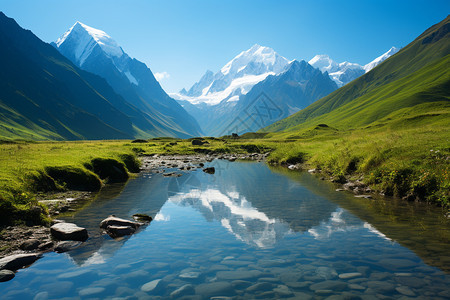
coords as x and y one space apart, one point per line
388 128
418 74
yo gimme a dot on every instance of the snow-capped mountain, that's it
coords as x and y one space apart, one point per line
380 59
84 39
345 72
276 97
236 78
229 101
95 51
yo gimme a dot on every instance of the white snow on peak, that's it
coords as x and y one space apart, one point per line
380 59
343 73
324 63
85 38
238 76
257 54
237 87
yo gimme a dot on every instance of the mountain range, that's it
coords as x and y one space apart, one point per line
345 72
84 86
410 88
259 87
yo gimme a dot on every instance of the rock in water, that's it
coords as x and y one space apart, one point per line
219 288
186 289
6 275
66 246
119 231
142 217
68 231
150 286
210 170
114 221
17 261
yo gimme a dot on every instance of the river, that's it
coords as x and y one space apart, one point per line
248 231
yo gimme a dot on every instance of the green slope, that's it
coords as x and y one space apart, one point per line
418 74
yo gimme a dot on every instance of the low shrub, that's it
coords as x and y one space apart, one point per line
139 141
30 214
7 212
74 178
40 181
296 158
109 169
251 148
131 162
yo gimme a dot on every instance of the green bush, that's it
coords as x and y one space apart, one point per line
31 213
42 182
109 169
396 182
7 212
131 162
424 185
74 178
250 148
296 158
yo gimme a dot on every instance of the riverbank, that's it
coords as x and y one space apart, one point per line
21 239
51 171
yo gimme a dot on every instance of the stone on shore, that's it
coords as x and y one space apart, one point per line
68 231
114 221
30 244
17 261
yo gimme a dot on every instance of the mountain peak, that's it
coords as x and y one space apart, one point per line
257 54
380 59
84 38
324 63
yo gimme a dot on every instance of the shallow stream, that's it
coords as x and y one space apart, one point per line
246 232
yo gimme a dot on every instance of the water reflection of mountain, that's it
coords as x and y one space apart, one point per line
140 195
256 205
420 227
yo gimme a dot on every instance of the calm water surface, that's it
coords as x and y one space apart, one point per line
247 232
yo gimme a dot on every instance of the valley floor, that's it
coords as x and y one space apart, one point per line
412 163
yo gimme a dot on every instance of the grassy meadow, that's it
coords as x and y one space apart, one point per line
410 162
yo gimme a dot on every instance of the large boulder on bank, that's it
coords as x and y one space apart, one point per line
114 221
18 261
68 231
119 231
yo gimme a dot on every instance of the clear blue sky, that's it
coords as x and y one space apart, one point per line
185 38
